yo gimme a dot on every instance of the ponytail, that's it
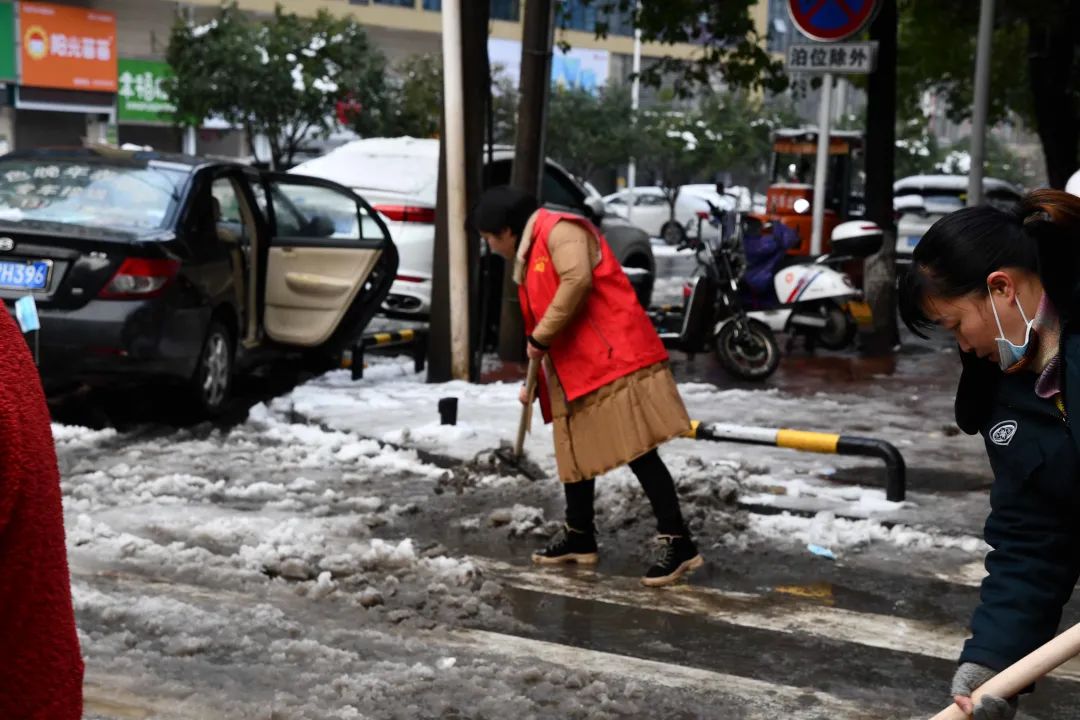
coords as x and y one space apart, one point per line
1051 218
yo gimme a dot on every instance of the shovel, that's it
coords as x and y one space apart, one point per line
1023 672
511 459
524 425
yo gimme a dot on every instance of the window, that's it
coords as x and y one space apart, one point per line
229 217
500 9
313 211
506 10
91 194
650 201
557 190
575 15
396 3
779 33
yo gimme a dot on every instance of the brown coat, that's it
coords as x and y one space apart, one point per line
622 420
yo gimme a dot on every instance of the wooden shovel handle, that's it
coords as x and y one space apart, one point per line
1023 672
526 409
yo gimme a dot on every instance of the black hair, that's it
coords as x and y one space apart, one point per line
503 207
955 256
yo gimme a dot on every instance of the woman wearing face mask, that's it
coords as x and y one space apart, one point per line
1007 286
605 386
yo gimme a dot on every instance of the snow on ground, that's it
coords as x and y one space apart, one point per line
394 404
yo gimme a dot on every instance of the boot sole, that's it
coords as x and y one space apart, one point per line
687 567
572 558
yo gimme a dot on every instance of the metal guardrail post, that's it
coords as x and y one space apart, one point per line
896 469
417 339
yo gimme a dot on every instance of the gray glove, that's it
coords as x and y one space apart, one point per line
970 676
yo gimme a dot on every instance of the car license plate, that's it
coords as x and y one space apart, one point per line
33 275
913 240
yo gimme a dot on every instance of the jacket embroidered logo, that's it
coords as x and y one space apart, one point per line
1003 433
540 265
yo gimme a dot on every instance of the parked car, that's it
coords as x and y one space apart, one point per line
399 176
153 266
921 200
652 213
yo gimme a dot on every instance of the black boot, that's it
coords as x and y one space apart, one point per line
569 546
676 556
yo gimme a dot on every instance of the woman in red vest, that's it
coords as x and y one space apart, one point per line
606 386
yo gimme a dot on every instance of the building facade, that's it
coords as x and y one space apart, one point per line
92 69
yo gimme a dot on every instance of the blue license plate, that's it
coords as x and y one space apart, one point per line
913 240
25 275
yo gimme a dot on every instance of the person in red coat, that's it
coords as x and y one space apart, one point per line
605 386
41 667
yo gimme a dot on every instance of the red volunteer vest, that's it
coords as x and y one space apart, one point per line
611 337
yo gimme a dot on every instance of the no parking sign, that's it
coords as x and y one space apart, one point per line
831 20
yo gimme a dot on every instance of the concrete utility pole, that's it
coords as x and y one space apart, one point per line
821 170
453 95
982 100
527 174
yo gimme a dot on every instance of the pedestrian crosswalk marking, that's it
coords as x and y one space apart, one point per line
767 700
763 612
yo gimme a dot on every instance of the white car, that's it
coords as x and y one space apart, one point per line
921 200
652 213
399 177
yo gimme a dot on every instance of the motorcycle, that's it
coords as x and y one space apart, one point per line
713 315
817 296
812 299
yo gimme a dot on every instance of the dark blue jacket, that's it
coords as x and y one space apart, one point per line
1034 522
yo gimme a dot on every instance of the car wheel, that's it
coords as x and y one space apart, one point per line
213 379
673 233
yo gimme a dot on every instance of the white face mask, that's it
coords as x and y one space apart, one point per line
1008 353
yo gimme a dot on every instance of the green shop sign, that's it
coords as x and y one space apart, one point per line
7 41
141 95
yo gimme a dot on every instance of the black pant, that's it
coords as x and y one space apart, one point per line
655 481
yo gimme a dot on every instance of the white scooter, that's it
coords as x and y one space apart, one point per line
814 297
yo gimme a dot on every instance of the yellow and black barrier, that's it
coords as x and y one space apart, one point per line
417 339
895 468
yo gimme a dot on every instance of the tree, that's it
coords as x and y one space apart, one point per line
728 42
676 146
281 78
588 132
742 126
937 42
416 98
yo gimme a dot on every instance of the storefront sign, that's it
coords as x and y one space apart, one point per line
67 47
7 41
141 95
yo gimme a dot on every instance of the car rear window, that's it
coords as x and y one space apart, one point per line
89 194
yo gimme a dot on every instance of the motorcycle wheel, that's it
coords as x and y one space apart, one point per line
839 332
747 350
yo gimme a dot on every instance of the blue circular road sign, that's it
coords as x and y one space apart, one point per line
831 20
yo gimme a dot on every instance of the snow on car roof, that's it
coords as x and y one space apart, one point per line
947 182
404 165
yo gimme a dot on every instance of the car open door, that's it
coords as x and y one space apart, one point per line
329 265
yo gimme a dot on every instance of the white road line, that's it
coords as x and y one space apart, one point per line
772 613
765 700
118 697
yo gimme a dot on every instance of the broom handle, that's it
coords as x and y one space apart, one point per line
1023 672
526 409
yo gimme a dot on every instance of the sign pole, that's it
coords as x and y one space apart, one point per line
982 98
821 169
